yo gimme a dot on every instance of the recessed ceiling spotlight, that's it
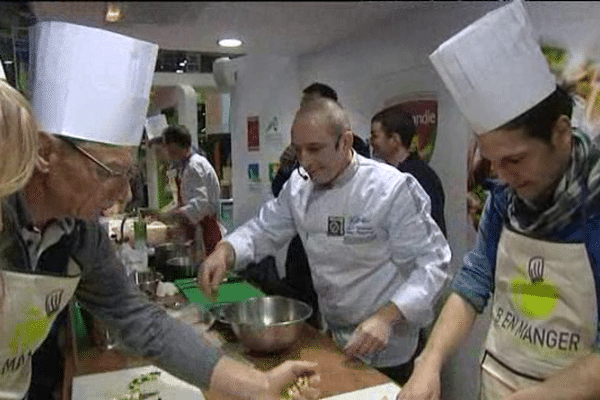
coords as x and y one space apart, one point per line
230 42
113 12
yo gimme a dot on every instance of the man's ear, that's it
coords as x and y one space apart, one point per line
396 137
562 133
46 150
348 139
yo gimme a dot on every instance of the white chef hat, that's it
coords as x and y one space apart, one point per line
155 126
90 83
494 68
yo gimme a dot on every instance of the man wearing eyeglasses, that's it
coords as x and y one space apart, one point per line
100 179
91 112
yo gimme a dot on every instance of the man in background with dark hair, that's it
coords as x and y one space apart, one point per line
317 90
392 132
198 189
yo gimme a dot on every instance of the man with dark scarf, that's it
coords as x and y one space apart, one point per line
537 247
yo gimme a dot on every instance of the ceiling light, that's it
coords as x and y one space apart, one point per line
230 42
113 12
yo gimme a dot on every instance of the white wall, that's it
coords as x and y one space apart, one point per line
266 87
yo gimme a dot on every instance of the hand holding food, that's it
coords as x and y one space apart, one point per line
303 377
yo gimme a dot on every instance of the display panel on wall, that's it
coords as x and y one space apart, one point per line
479 174
423 107
578 72
253 134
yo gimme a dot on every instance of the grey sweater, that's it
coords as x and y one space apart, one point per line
105 290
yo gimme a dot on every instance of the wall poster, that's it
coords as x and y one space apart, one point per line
253 172
272 133
253 134
273 168
479 172
579 74
424 109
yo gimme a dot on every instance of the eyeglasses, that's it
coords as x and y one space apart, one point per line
106 171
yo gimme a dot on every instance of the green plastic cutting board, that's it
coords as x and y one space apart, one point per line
228 292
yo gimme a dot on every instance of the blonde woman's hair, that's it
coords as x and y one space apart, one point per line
18 149
18 140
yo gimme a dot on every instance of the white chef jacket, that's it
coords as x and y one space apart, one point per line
200 189
369 239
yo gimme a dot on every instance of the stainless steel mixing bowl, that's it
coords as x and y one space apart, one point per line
267 324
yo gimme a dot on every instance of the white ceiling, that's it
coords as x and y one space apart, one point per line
280 28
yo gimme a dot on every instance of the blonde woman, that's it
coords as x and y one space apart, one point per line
18 147
18 141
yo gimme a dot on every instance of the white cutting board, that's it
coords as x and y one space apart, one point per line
371 393
110 385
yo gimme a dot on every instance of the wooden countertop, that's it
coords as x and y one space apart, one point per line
339 374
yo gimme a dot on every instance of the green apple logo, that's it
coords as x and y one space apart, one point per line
534 297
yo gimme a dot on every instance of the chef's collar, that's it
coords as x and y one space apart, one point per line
181 164
345 176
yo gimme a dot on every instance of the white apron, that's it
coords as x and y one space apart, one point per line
30 305
544 313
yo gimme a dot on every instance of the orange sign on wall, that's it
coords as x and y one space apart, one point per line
424 110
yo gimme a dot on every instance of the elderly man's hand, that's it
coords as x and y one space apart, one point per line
293 380
214 268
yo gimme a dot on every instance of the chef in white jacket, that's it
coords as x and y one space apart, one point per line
377 258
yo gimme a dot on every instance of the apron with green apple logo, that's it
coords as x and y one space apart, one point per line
29 306
544 313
